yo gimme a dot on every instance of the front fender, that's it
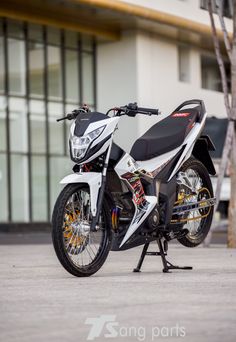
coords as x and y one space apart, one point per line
93 179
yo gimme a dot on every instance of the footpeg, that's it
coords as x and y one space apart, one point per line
177 235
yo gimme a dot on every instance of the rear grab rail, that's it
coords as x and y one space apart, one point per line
200 103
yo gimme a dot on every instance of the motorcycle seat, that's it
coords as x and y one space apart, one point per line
165 135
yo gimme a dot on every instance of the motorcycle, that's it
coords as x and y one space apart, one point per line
115 200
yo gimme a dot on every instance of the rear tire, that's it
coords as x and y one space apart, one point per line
205 223
58 235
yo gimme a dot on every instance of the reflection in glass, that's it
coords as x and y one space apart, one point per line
53 36
69 109
2 67
18 125
19 188
71 39
54 73
87 42
3 188
1 28
87 65
56 129
35 32
36 69
15 28
16 52
72 84
59 168
2 124
37 126
39 188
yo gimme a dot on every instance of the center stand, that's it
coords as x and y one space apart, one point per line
163 248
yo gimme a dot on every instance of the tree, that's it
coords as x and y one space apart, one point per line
229 150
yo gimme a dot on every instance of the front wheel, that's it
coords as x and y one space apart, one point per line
199 187
80 251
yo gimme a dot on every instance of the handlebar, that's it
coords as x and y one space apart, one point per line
149 110
74 113
132 109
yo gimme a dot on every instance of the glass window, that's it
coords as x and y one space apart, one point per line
15 28
53 36
2 66
87 42
71 39
59 168
56 129
35 32
69 109
19 188
72 76
16 48
226 7
36 69
88 77
1 28
37 126
2 123
3 188
39 188
18 125
211 75
54 73
44 46
184 63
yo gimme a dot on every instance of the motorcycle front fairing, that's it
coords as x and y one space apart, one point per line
84 125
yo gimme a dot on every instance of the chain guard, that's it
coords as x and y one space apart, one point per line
202 205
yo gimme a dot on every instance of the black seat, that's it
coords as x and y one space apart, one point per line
166 135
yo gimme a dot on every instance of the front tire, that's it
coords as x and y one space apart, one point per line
71 233
204 224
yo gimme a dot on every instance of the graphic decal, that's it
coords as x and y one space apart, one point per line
180 115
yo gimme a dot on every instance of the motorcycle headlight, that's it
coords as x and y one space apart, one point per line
79 145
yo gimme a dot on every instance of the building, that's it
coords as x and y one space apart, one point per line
56 55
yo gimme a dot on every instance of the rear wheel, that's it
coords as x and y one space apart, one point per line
198 222
80 251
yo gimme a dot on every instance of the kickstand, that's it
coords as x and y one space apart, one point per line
163 247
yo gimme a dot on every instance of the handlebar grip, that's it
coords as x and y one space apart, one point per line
61 119
148 110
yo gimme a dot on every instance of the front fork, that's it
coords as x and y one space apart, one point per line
102 190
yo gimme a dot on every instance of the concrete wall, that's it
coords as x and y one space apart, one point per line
117 82
143 67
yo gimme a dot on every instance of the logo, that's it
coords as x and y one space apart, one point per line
107 327
180 115
99 323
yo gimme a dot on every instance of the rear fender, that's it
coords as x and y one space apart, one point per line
201 152
93 179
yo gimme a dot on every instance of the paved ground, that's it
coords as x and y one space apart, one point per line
39 301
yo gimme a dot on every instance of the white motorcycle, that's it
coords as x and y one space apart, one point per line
115 200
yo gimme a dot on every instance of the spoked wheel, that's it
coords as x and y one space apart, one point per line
196 186
80 251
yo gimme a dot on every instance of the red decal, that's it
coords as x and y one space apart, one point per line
180 115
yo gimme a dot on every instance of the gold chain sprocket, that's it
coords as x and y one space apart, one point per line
181 200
